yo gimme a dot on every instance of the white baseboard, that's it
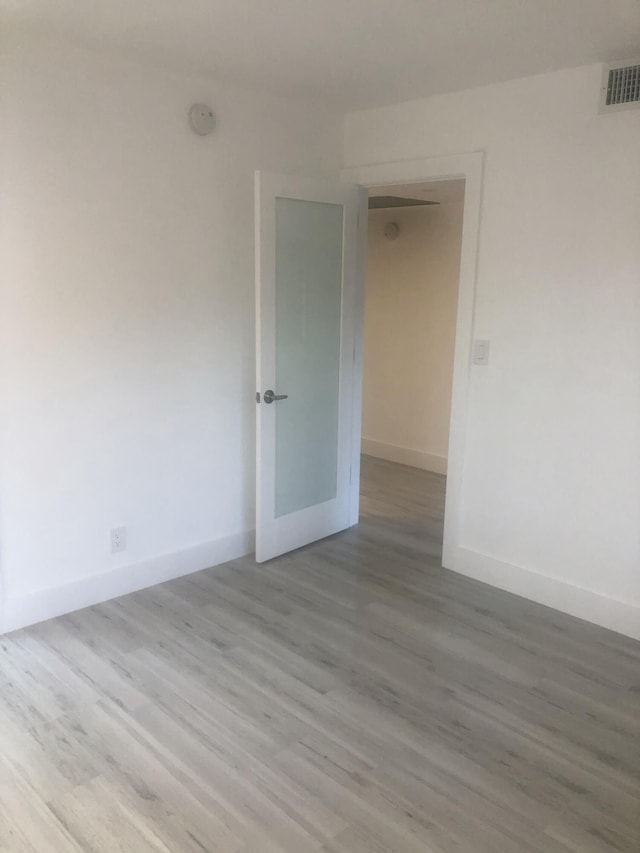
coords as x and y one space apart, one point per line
585 604
47 603
44 604
405 455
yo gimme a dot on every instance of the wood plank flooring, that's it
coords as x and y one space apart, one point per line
352 696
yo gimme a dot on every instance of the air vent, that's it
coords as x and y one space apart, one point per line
620 86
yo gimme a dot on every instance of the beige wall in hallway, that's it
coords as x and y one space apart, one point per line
412 285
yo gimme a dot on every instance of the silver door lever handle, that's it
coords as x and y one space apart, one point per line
269 396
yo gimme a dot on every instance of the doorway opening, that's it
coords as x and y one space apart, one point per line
411 306
309 348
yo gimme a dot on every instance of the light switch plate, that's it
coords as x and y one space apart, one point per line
481 352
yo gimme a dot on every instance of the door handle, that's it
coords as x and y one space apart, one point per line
269 396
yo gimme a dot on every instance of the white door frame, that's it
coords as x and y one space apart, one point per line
469 167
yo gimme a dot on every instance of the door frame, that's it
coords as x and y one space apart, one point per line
470 167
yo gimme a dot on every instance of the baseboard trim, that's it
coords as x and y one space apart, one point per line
45 604
619 616
405 455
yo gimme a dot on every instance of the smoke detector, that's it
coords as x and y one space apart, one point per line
201 119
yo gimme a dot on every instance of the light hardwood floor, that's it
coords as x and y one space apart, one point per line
352 696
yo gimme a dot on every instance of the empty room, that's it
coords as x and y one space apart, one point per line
309 543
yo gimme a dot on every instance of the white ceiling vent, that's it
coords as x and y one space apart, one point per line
620 86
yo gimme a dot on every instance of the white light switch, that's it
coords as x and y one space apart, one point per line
481 352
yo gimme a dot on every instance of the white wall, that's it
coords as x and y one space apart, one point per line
410 319
127 338
551 487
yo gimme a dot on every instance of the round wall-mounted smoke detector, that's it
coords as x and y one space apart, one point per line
201 119
391 230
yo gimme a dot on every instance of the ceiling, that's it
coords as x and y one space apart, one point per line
349 53
442 192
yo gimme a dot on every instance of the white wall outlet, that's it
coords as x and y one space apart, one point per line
118 539
481 352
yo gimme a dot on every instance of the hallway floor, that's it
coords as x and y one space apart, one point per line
351 696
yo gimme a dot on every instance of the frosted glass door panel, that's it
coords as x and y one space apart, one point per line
308 310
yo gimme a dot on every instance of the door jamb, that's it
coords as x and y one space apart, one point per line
470 167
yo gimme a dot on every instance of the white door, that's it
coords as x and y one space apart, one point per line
307 314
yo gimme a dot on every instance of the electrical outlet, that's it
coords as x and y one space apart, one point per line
118 539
